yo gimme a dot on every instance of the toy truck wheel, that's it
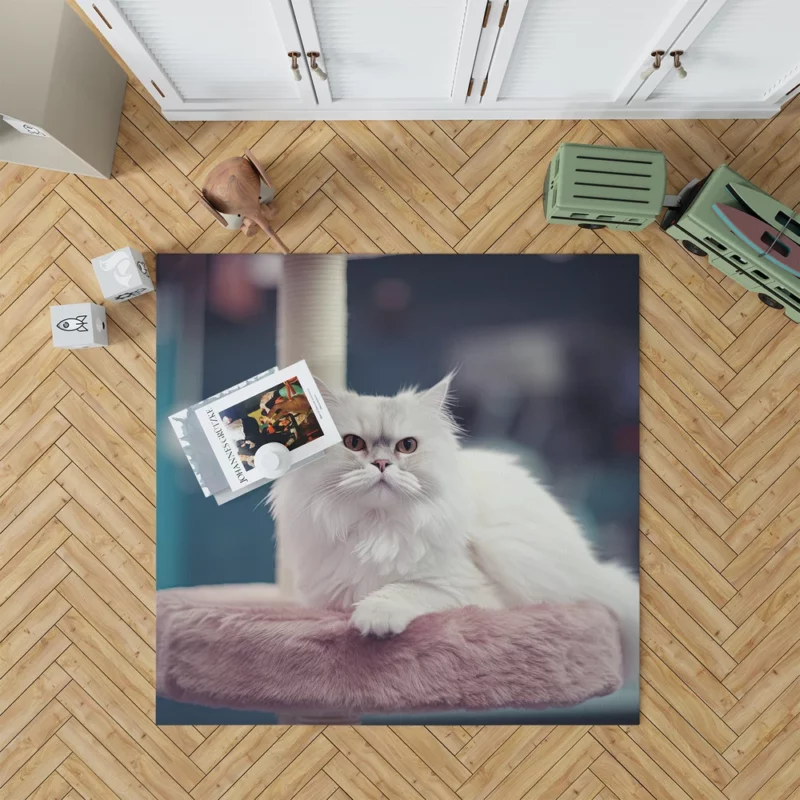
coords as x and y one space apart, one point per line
769 301
592 226
693 248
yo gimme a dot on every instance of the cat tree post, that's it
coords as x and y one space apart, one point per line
312 325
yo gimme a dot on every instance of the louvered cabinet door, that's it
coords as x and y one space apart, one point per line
210 55
569 55
734 51
384 54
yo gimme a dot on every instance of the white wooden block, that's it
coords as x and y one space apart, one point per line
122 274
78 325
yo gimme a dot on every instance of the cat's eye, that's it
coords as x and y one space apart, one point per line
406 446
353 442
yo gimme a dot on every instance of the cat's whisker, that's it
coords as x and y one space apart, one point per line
331 487
262 502
410 486
356 477
331 494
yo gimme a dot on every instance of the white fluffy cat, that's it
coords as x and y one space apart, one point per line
401 520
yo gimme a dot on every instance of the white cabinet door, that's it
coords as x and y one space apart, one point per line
384 54
573 54
208 54
734 51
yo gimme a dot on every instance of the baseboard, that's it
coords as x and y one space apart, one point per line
754 111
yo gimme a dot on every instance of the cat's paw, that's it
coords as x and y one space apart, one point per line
381 617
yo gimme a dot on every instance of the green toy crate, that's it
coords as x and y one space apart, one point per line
605 187
702 232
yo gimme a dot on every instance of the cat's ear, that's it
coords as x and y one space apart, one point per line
439 395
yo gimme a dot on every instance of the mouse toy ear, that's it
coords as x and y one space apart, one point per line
214 213
248 154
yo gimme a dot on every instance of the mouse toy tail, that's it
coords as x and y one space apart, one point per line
267 228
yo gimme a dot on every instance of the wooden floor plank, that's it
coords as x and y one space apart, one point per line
38 696
404 182
775 584
384 198
30 266
156 164
419 161
437 143
685 737
350 201
38 768
159 131
502 763
84 782
236 762
28 233
452 127
347 776
12 176
683 374
18 207
100 763
293 781
683 591
126 459
348 235
681 445
682 410
120 743
684 556
152 197
499 182
476 133
91 643
209 135
764 546
503 144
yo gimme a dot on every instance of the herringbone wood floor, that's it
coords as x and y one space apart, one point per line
720 407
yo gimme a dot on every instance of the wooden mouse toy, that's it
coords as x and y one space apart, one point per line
233 188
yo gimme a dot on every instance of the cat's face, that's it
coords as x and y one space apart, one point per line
395 454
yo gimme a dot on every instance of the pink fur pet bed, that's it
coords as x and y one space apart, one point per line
241 647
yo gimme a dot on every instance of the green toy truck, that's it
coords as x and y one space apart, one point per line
696 225
609 187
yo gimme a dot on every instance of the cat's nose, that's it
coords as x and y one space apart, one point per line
381 464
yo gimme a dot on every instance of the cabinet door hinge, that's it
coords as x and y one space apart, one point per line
486 13
469 88
503 15
483 88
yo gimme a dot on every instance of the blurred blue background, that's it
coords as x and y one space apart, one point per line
547 354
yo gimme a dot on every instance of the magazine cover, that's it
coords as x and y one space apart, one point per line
285 407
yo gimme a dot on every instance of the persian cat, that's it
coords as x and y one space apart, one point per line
401 520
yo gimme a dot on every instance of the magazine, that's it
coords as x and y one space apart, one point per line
282 406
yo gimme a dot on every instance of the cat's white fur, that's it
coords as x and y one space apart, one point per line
443 527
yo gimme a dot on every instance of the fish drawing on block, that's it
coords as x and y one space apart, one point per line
767 241
77 324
